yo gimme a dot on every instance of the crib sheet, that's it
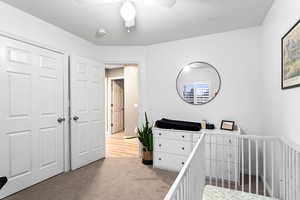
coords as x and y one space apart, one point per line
218 193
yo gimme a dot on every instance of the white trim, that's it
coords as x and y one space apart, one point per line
66 103
30 42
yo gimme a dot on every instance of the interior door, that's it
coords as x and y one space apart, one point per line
31 138
117 105
87 111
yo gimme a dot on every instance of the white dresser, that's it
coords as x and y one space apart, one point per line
172 148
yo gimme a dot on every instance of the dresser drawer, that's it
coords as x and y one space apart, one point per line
172 135
168 161
196 137
173 146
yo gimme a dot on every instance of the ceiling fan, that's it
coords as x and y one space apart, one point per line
128 11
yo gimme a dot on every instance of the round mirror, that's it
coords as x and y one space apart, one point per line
198 83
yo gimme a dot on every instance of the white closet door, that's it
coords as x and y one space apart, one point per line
31 139
50 104
87 111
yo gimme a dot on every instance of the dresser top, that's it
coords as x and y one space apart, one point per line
237 131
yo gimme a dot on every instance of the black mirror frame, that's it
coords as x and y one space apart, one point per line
200 63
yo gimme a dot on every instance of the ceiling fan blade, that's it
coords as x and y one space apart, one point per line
164 3
98 2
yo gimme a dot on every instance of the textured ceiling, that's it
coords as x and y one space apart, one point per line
154 24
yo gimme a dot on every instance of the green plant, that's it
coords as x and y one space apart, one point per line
145 135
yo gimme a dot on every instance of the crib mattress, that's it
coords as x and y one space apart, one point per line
218 193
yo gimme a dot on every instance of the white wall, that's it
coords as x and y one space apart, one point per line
235 55
280 108
131 89
19 23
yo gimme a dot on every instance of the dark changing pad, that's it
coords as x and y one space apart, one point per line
179 125
3 181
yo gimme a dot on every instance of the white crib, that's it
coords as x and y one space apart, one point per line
268 169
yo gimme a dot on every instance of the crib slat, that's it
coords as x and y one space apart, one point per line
294 173
256 155
281 172
243 174
272 165
297 176
288 173
284 170
223 160
249 167
216 158
210 159
264 166
228 166
236 154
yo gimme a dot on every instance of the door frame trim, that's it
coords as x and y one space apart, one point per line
31 42
108 99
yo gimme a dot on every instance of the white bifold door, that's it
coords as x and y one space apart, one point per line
31 114
87 111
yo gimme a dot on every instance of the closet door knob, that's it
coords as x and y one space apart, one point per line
61 119
75 118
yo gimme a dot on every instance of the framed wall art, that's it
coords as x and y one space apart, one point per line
290 58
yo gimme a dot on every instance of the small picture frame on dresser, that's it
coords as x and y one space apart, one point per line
227 125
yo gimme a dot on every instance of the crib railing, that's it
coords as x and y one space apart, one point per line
262 165
191 178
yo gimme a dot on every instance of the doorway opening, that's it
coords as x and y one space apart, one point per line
121 107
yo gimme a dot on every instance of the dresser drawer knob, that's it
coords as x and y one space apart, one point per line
182 136
182 148
159 158
159 134
182 163
159 145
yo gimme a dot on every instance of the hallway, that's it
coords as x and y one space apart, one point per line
117 146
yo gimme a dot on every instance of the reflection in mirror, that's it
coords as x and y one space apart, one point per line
198 83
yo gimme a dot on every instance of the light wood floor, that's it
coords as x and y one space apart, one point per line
117 146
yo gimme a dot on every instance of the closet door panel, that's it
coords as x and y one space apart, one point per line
87 111
31 144
17 136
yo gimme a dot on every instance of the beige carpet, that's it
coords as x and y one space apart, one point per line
108 179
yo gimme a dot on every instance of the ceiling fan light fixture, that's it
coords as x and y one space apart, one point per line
128 11
101 32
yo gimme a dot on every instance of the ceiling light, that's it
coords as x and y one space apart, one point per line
128 13
101 32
